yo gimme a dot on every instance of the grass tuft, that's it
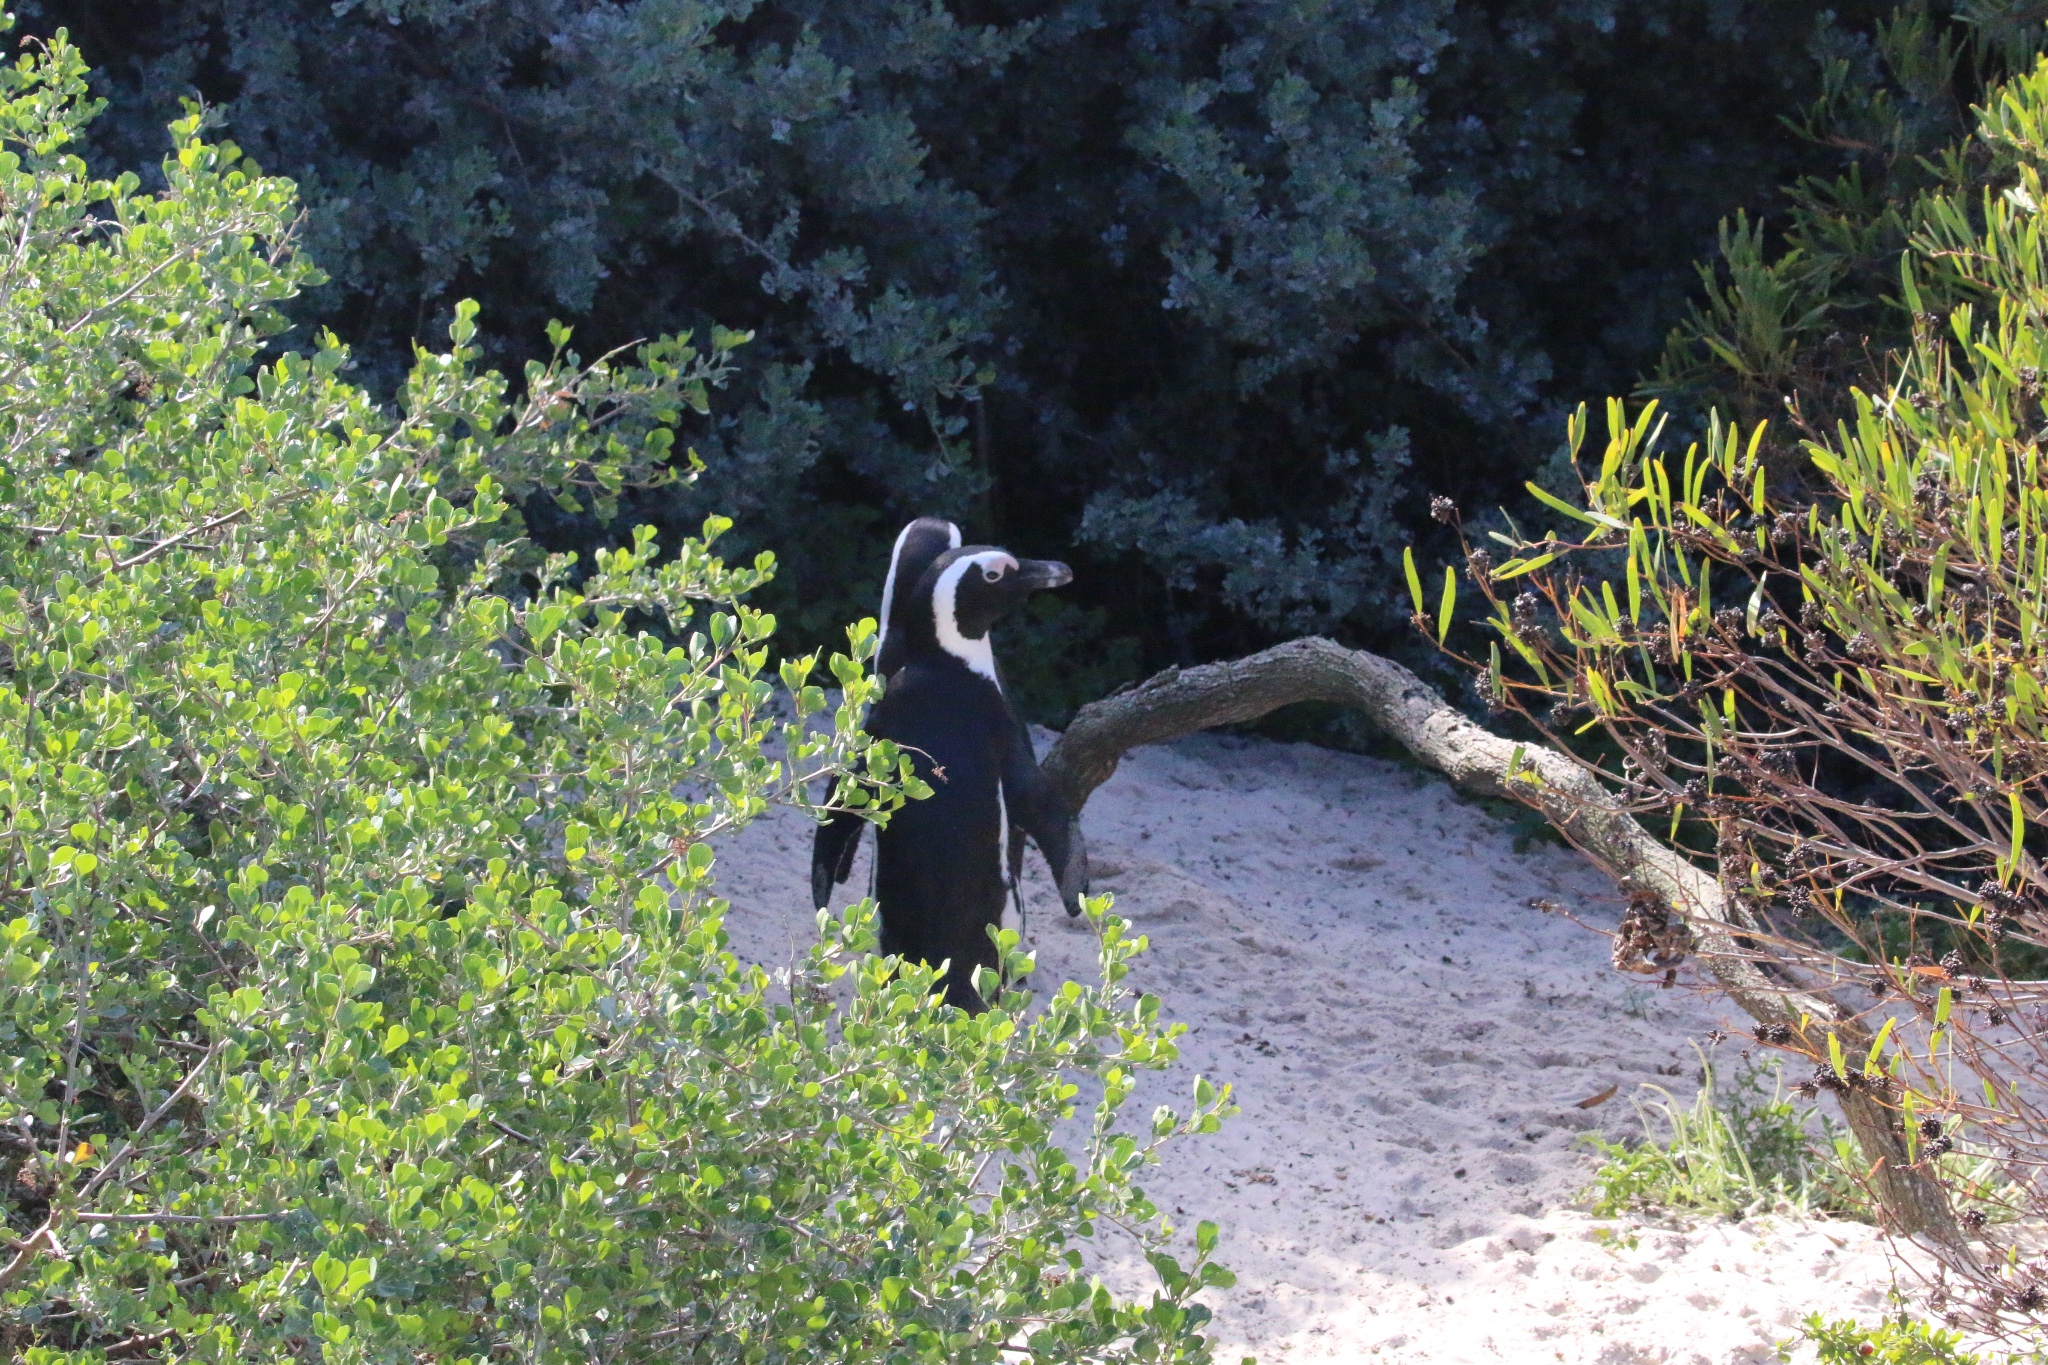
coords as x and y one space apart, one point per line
1732 1152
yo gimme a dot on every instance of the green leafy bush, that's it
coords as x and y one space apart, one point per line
365 992
1898 1342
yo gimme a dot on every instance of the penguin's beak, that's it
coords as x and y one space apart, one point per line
1035 575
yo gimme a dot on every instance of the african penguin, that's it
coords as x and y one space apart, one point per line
939 862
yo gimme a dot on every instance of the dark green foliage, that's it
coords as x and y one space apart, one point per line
1202 296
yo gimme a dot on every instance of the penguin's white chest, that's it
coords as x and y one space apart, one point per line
1010 920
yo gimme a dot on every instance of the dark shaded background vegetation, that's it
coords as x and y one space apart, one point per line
1207 298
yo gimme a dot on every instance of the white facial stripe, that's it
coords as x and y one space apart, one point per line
976 654
889 583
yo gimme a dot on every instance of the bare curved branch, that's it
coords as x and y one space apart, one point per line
1179 702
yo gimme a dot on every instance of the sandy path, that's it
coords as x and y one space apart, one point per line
1353 949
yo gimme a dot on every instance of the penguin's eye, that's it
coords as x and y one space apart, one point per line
992 575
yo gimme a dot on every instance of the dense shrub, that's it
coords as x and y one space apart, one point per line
365 996
1843 686
1205 296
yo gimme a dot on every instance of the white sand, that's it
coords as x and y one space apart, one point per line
1353 949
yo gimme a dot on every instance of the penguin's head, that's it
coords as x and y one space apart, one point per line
967 590
917 545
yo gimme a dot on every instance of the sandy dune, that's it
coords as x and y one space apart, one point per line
1354 949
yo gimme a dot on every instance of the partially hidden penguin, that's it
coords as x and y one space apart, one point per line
939 862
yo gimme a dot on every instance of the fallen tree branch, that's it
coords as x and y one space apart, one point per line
1181 701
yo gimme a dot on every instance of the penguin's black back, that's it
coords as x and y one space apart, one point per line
939 864
918 545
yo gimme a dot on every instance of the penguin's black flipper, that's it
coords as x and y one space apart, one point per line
1037 808
832 850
